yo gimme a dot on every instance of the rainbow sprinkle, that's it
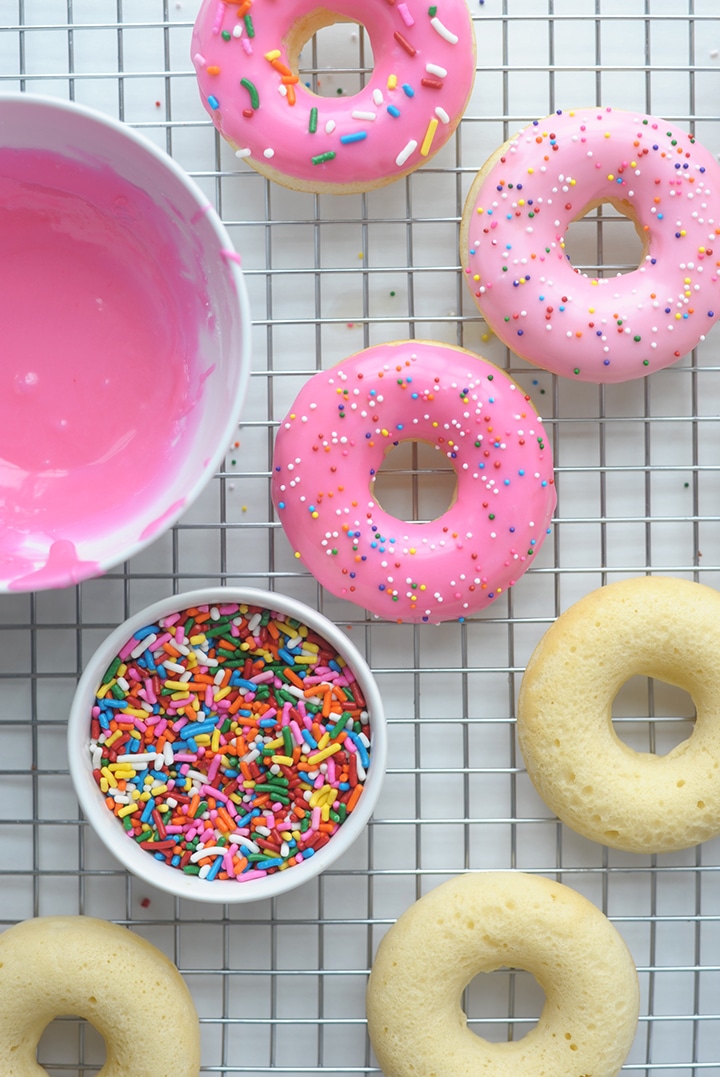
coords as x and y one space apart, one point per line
230 741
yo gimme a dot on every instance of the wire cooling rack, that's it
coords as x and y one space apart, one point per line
280 985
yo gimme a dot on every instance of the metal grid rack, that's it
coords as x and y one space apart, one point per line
280 985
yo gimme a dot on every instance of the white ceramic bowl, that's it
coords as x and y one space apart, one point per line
107 826
125 342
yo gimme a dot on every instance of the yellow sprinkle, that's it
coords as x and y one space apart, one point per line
104 785
318 757
158 789
274 55
105 689
392 82
282 760
429 136
296 555
530 171
109 777
413 550
128 809
203 739
198 639
611 176
112 738
221 695
314 515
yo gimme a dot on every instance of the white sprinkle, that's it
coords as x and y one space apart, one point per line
405 153
358 114
282 90
442 115
210 850
377 96
143 645
237 30
405 15
199 60
138 760
330 127
435 69
446 34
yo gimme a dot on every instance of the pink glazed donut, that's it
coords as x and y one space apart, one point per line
246 56
552 173
332 444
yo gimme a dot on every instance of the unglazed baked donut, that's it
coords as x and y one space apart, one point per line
246 56
644 803
333 442
481 922
132 994
513 237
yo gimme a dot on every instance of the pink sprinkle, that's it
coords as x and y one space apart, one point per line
248 875
248 49
405 15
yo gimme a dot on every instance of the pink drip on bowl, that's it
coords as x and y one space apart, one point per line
124 358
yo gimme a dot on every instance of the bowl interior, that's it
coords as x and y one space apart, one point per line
107 826
126 325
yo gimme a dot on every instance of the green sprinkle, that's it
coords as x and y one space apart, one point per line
226 35
251 88
321 158
637 339
249 26
312 126
432 11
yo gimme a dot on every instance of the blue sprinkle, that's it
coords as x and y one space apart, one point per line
393 110
357 136
213 101
215 868
408 90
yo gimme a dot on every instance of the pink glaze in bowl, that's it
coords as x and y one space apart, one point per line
124 353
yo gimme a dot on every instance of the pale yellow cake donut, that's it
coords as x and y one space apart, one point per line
78 966
637 801
480 922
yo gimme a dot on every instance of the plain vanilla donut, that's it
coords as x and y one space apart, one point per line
638 801
246 56
78 966
513 238
481 922
332 443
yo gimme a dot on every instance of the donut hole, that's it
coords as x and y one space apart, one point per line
503 1005
606 241
71 1043
652 716
416 482
331 54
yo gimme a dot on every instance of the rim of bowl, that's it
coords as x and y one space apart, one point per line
208 469
139 862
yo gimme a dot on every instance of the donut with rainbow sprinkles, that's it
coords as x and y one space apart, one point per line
334 440
246 55
512 246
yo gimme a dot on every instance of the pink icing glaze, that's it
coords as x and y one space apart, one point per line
99 374
333 442
599 330
429 61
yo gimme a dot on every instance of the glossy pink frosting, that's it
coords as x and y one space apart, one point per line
424 67
615 328
331 445
99 373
